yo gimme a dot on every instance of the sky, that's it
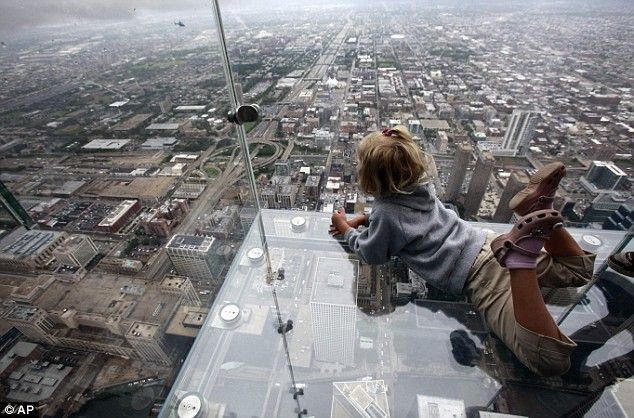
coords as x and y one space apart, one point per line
19 14
16 14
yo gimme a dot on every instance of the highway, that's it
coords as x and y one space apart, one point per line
234 170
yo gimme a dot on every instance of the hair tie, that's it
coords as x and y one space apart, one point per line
387 132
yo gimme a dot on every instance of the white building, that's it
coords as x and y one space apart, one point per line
333 310
77 250
192 256
520 131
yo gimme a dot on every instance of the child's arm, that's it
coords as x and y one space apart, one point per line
381 240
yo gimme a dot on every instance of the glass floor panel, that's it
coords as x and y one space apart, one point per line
372 341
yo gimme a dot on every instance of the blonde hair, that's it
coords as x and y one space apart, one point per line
389 162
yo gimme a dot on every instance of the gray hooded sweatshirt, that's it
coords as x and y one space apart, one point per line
432 240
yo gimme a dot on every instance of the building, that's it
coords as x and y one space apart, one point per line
120 265
432 407
119 216
441 142
479 183
434 125
147 340
333 310
35 323
159 143
323 138
286 196
520 131
516 182
77 250
165 105
458 171
160 221
133 123
268 197
312 186
247 216
192 256
181 288
31 250
279 194
621 219
106 144
98 314
603 175
360 399
414 126
282 168
369 286
147 190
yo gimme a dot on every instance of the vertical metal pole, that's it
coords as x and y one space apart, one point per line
242 135
242 138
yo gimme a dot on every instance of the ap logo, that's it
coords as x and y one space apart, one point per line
18 409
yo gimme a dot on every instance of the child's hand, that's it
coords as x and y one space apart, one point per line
339 223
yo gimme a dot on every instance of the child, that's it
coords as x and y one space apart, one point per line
500 276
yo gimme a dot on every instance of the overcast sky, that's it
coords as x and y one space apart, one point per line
16 14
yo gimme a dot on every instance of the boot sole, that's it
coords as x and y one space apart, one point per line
547 220
547 178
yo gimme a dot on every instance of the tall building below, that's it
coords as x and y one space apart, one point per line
516 182
147 340
192 256
77 251
458 171
333 310
603 175
520 131
479 183
181 288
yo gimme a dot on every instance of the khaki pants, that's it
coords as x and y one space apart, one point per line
488 287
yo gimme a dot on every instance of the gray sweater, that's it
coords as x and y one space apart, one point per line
432 240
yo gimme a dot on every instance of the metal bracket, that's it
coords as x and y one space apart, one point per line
286 327
244 114
299 392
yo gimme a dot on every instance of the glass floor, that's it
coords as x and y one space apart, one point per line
376 341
